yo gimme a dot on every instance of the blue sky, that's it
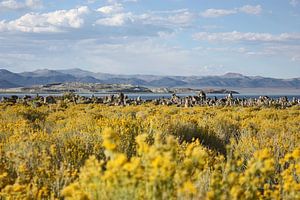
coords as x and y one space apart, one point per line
166 37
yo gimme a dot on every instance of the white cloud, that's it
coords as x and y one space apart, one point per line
168 19
118 1
47 22
67 18
130 1
239 36
294 3
91 1
11 5
33 3
253 10
170 11
211 13
118 19
16 5
183 18
111 9
222 49
248 9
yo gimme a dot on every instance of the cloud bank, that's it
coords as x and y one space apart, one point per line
47 22
16 5
236 36
247 9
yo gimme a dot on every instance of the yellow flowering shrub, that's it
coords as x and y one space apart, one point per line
148 152
164 169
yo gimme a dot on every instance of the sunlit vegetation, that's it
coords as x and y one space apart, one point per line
149 152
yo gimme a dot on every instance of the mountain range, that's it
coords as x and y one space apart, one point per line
10 79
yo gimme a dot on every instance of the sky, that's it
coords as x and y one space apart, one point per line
160 37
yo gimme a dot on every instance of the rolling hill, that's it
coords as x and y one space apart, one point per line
233 80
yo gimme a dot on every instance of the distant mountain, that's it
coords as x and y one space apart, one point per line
76 72
10 76
40 77
42 73
113 78
87 79
79 73
167 82
233 80
5 84
233 75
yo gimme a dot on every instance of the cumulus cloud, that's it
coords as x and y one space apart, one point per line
118 19
253 10
115 8
47 22
173 18
11 5
16 5
183 18
210 13
249 36
248 9
114 15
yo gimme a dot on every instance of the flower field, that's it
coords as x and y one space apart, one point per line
149 152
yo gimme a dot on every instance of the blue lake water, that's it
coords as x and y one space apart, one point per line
149 96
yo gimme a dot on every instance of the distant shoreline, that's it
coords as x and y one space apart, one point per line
240 92
102 89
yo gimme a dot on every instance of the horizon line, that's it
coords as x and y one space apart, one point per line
139 74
